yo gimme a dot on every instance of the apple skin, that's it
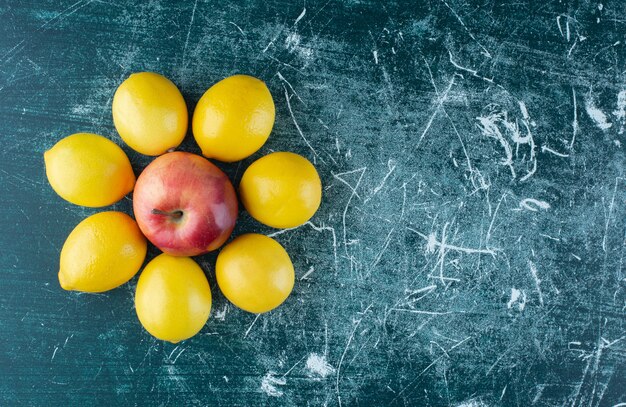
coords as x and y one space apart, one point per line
184 204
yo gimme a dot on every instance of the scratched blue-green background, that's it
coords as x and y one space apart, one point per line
469 250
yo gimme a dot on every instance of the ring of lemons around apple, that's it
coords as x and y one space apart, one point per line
253 271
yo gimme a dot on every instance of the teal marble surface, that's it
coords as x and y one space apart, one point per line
469 249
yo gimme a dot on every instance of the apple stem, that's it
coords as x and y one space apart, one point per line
173 214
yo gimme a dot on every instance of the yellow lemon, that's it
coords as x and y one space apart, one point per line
102 252
234 118
281 190
150 113
255 273
88 169
173 298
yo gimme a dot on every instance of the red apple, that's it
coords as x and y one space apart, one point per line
185 205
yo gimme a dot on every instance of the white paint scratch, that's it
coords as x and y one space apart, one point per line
193 15
251 325
518 298
592 357
292 367
292 44
489 127
476 177
382 251
308 273
427 368
296 124
523 109
282 78
539 393
545 149
281 231
571 49
269 383
550 237
558 23
597 115
503 392
292 41
419 311
177 356
472 403
620 112
493 218
67 339
442 98
321 228
81 110
318 366
391 165
179 380
221 315
496 124
5 57
608 216
169 358
528 139
534 205
472 71
354 193
432 242
332 231
533 272
420 293
238 28
484 50
300 16
269 44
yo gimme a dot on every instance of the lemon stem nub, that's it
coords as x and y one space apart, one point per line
173 214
